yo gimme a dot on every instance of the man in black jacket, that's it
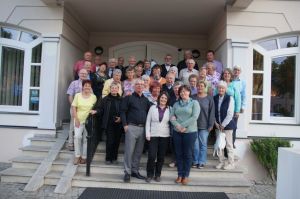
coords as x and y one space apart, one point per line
167 65
134 109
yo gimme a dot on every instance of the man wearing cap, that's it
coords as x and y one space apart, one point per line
224 111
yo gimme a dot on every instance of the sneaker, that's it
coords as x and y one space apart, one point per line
76 160
220 165
229 166
172 164
200 166
195 165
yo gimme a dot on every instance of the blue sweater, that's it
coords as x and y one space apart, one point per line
186 114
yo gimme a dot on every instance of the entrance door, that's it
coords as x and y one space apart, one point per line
144 50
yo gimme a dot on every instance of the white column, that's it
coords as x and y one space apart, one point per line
240 56
288 175
49 80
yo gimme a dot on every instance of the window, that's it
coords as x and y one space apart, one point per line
35 72
257 90
283 86
20 69
275 76
11 76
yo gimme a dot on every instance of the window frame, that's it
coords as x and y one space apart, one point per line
27 48
267 69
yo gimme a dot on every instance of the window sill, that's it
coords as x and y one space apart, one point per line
19 113
281 124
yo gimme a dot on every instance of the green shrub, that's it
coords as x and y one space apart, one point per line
266 151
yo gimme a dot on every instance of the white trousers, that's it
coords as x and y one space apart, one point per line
229 147
80 141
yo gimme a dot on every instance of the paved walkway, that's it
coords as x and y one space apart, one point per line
15 191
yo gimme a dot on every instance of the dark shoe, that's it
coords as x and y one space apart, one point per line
126 177
115 162
138 176
178 180
71 147
108 162
157 178
148 179
200 166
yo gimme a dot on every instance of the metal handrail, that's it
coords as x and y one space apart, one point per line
92 141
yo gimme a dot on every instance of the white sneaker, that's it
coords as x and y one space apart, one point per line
229 166
172 164
220 165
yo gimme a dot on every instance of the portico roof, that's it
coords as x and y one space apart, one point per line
149 16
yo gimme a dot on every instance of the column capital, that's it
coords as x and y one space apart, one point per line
240 43
51 38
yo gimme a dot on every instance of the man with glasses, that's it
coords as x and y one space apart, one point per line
186 72
134 109
74 87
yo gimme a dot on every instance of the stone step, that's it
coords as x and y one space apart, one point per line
102 148
53 177
46 135
30 162
42 141
205 184
16 175
207 172
101 156
35 151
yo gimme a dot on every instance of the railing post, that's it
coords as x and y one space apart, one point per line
89 129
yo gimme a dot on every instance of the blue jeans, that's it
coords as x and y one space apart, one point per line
200 149
184 145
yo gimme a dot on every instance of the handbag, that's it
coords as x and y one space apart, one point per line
220 143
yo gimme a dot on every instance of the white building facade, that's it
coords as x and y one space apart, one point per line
42 39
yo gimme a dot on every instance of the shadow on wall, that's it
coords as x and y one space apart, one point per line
247 159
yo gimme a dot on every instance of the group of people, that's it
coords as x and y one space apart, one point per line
168 106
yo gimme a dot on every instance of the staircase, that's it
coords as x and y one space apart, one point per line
208 179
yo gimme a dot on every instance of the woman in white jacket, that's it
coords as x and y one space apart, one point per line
157 133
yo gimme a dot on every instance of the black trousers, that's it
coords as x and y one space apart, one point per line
113 136
157 151
235 119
